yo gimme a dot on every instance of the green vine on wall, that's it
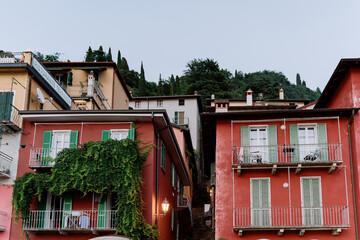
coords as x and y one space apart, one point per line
97 167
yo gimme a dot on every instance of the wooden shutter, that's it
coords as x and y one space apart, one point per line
131 134
311 201
73 139
163 156
40 217
47 142
273 150
245 142
67 207
260 202
102 207
294 142
6 99
322 140
176 117
105 135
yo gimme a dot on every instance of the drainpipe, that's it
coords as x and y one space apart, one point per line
352 175
157 166
29 94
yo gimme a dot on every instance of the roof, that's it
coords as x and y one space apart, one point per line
198 98
253 107
335 80
42 82
89 65
159 118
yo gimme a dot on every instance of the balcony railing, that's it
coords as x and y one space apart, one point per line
2 220
5 164
180 121
291 217
9 116
42 157
301 153
60 220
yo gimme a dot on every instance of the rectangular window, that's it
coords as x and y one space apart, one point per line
163 157
137 104
259 149
60 140
118 134
179 118
173 175
159 103
181 102
311 201
260 202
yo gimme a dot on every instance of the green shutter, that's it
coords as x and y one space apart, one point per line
73 139
172 223
105 135
294 142
176 117
273 150
245 143
131 134
212 174
67 207
6 99
45 158
306 192
255 193
102 207
311 201
265 204
172 173
322 140
40 217
163 156
260 202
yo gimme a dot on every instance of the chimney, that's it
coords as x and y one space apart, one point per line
195 92
249 99
281 93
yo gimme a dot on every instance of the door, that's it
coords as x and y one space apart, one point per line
311 201
259 149
61 140
308 143
260 202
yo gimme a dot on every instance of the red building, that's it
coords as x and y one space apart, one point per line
281 173
166 171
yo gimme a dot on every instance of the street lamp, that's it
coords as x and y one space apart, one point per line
165 207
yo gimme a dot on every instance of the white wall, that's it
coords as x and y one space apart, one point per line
10 145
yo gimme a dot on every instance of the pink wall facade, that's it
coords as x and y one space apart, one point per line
5 210
233 192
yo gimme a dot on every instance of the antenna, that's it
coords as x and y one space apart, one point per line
40 96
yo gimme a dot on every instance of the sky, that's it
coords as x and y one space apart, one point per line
289 36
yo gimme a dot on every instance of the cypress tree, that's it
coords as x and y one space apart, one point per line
298 80
177 85
142 82
304 83
318 90
124 64
89 55
119 60
172 85
100 55
109 56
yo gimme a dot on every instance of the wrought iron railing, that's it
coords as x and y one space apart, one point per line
80 220
95 91
5 164
9 114
283 217
43 157
299 153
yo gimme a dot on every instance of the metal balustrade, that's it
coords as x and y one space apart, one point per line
9 115
42 157
300 153
290 217
5 164
75 220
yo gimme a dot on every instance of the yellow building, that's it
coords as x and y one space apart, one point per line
91 85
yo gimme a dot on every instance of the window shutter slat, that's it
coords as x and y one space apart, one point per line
67 207
47 141
176 117
265 193
102 207
255 193
73 139
306 192
245 142
294 141
273 143
40 218
105 135
322 140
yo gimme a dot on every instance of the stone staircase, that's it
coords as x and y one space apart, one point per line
200 230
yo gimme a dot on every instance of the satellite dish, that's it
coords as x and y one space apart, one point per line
40 96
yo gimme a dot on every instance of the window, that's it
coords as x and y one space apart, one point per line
118 134
311 201
173 175
181 102
260 201
163 157
259 145
61 140
179 118
159 103
137 104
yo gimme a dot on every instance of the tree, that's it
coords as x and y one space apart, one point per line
172 85
100 55
118 60
177 86
304 83
109 56
298 80
90 57
318 90
142 82
47 58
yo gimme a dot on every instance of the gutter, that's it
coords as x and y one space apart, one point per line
352 175
157 166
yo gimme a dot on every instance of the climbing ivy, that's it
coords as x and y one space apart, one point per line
101 167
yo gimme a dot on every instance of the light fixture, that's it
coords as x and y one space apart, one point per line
165 207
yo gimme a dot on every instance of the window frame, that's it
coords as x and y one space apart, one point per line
137 104
159 103
181 102
303 208
251 199
121 131
53 141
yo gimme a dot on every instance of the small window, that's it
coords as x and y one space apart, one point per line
181 102
159 103
163 157
137 104
119 134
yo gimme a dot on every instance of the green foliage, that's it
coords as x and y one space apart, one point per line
47 58
109 56
118 63
102 167
6 54
100 55
90 57
142 83
298 80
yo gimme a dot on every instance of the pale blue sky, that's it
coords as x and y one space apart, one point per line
303 36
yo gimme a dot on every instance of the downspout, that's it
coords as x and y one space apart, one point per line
352 175
157 166
29 93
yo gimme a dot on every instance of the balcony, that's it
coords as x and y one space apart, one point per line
42 158
2 219
10 117
64 222
277 156
280 219
5 165
180 121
